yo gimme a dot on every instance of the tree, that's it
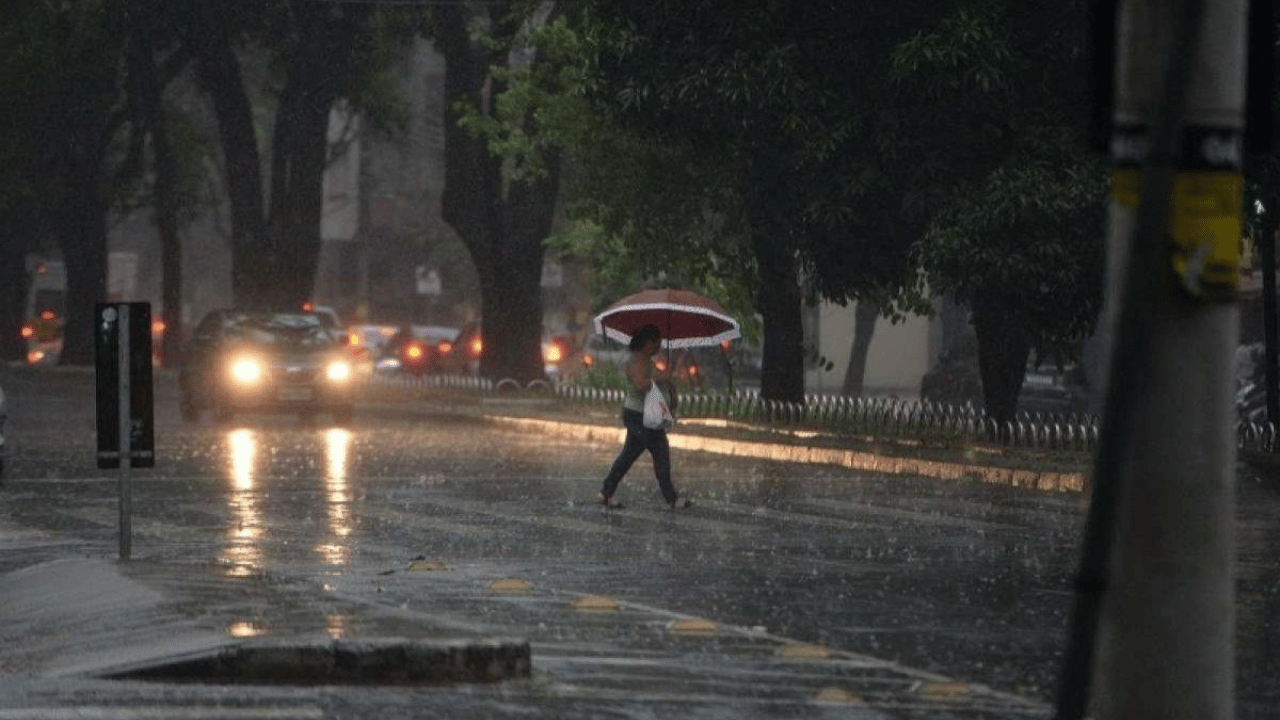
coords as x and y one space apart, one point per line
146 96
503 220
1023 253
74 50
773 91
1016 230
639 212
19 226
330 52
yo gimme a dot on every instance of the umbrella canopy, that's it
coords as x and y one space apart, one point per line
685 318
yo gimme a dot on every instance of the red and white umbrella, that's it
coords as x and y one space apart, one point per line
685 318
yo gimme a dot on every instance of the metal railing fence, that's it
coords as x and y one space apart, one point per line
840 416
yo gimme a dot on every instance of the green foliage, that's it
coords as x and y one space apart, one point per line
640 212
1028 242
1015 203
603 375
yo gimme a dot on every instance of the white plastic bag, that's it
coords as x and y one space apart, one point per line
657 413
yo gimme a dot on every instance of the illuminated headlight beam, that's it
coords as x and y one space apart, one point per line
246 370
338 371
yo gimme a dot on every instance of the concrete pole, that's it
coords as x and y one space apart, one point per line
1165 639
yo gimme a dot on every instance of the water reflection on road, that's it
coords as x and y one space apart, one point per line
244 536
247 527
337 495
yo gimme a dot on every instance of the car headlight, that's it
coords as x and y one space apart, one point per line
338 371
246 370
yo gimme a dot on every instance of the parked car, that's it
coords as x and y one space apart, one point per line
257 362
1053 389
1047 387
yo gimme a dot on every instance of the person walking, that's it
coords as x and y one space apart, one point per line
639 375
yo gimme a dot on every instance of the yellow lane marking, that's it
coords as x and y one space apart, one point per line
837 695
943 690
803 651
595 604
693 626
510 586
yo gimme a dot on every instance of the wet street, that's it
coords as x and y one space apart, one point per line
786 591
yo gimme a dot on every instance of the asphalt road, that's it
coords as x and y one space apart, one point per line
786 591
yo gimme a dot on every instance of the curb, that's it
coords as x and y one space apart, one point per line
1049 481
388 661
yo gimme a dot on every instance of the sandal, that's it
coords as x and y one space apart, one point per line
681 503
608 502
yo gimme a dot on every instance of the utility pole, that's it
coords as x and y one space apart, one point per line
1165 635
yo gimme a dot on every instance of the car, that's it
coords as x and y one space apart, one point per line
1048 388
462 356
465 350
599 350
365 343
242 361
1052 389
424 350
328 319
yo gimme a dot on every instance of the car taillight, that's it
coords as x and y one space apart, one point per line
445 347
158 327
413 351
28 332
476 347
552 353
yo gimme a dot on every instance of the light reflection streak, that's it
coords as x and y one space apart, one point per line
245 628
337 496
336 625
244 551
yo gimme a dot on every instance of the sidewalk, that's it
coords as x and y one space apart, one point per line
551 417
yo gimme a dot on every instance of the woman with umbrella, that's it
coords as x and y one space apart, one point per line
640 375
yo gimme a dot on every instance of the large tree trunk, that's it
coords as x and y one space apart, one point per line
780 303
779 300
220 76
1002 363
72 148
82 234
274 261
503 235
15 243
150 102
170 244
864 326
297 188
319 66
